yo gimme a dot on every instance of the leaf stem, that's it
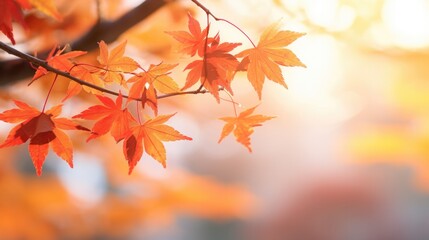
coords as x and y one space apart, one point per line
49 93
233 103
239 29
138 112
205 52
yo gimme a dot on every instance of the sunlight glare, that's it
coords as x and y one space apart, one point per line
346 17
408 22
316 99
322 12
330 14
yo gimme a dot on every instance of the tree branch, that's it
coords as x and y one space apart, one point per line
39 62
17 69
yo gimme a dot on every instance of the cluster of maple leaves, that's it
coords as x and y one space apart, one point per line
213 71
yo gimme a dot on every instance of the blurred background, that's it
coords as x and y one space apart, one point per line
346 157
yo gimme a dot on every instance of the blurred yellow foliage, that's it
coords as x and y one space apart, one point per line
42 207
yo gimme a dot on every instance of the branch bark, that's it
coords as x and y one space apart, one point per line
18 69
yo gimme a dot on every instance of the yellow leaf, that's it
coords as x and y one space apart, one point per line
242 126
150 136
114 63
263 60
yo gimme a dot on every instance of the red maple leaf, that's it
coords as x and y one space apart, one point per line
42 129
149 136
216 69
10 10
111 117
56 60
242 126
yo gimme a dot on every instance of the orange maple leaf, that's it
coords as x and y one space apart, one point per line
42 129
88 74
114 63
59 61
111 117
264 60
216 69
192 42
149 136
242 125
146 84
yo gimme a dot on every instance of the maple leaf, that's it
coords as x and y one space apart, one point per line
149 136
88 74
114 63
216 69
59 61
192 42
10 11
264 60
111 117
146 84
42 129
242 126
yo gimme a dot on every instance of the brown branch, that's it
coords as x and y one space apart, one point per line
17 69
39 62
198 91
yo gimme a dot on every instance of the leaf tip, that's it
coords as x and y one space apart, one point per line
92 136
39 171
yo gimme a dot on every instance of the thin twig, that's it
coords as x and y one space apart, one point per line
208 12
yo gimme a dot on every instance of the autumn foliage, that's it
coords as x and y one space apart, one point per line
43 129
132 116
